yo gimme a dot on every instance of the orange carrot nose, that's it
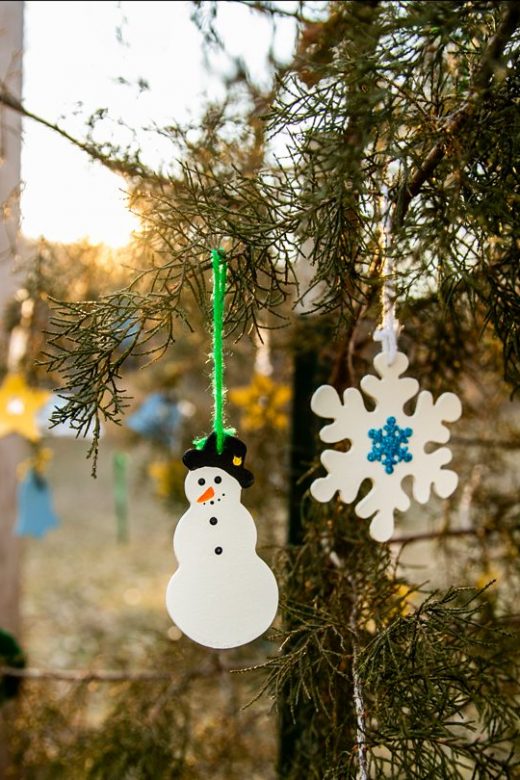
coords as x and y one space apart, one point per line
209 493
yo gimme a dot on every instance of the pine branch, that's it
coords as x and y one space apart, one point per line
274 11
440 535
215 667
123 165
456 123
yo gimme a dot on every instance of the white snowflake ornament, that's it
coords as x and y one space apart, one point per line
387 444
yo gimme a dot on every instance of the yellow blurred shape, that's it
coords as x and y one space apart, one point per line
263 403
19 405
486 577
168 478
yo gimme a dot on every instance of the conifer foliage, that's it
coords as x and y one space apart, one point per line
397 113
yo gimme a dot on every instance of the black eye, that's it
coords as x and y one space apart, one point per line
202 481
218 480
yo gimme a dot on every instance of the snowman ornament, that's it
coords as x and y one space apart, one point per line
223 594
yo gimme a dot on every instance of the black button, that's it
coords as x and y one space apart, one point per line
218 550
213 520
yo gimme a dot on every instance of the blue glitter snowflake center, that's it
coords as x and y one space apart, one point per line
389 445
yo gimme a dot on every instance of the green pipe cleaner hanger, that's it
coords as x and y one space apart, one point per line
219 264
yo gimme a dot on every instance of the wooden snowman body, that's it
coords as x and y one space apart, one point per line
223 594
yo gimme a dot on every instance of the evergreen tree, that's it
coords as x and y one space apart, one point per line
402 114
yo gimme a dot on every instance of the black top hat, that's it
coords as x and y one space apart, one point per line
231 459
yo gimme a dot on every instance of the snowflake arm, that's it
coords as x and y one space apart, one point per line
337 463
326 403
392 390
429 472
382 524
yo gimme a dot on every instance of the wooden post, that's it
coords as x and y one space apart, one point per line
11 43
12 448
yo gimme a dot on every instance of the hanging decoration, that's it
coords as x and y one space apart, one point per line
386 444
19 405
168 479
36 515
158 418
223 594
263 404
120 464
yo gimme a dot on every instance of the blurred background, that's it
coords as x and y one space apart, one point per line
136 137
94 559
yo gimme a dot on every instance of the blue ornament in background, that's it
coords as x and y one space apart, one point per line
36 515
157 418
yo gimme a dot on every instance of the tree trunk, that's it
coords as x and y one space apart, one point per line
309 371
